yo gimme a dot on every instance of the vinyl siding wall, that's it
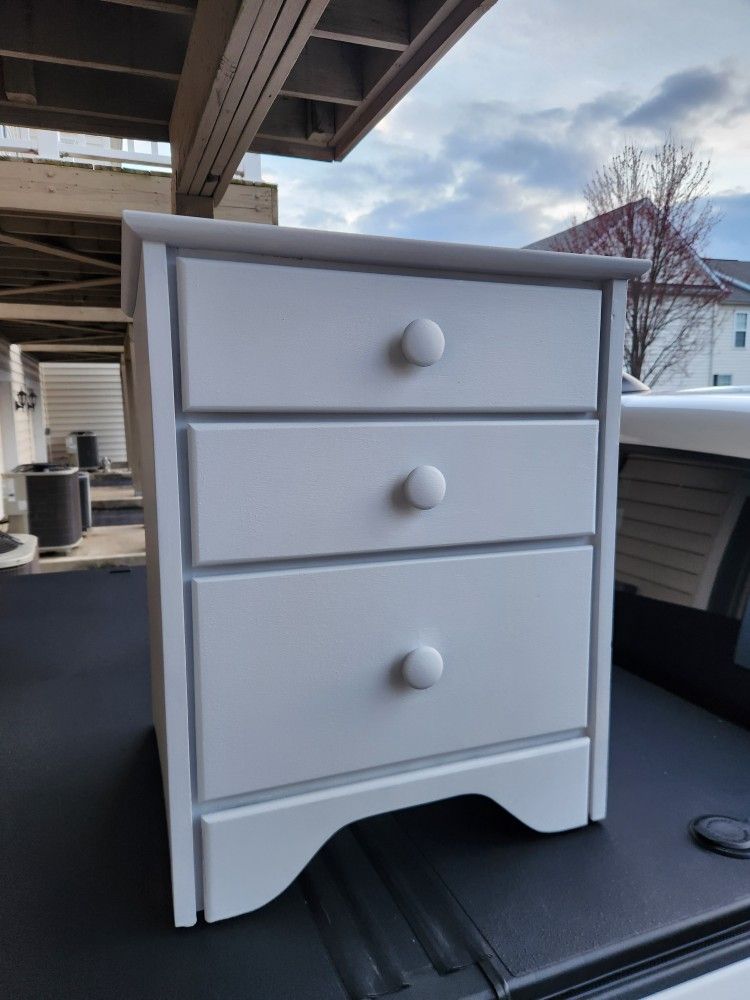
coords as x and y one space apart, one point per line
717 356
30 443
674 518
84 397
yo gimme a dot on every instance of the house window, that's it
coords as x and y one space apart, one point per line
740 329
722 379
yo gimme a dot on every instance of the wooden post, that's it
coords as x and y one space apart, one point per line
191 204
132 440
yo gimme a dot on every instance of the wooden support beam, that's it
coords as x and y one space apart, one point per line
18 81
75 314
92 92
436 26
326 71
275 146
95 36
55 251
184 7
293 118
57 270
39 225
64 347
50 329
14 277
76 338
239 55
320 123
110 250
192 204
383 25
58 286
99 195
89 124
289 36
218 51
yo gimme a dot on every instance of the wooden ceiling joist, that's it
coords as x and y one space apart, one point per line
184 7
110 339
42 225
62 313
326 71
52 250
59 271
104 36
133 100
217 76
58 286
382 25
48 330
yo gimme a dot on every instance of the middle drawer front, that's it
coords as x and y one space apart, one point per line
268 491
298 674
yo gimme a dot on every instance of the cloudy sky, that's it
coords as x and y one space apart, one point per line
495 143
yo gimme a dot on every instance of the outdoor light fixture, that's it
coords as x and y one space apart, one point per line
31 401
21 398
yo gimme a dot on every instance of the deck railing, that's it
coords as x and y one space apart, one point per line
130 154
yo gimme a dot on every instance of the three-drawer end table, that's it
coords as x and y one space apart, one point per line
379 481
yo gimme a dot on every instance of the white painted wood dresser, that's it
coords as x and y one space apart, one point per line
379 483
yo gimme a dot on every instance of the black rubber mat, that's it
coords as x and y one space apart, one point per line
453 900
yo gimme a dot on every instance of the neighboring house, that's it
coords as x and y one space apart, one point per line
723 354
84 397
729 360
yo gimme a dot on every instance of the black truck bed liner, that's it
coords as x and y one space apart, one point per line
451 900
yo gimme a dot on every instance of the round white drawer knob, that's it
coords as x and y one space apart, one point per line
423 342
423 667
425 487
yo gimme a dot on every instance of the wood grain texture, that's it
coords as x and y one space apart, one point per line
69 34
104 194
382 25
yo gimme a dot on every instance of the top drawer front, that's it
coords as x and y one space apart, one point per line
274 337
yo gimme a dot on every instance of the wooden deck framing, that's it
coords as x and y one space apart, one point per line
306 78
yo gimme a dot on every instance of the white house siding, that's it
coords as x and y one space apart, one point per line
29 424
674 518
7 422
718 356
84 397
728 359
695 371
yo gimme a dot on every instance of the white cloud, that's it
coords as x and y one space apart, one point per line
495 143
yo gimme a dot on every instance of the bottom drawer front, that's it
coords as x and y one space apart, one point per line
299 673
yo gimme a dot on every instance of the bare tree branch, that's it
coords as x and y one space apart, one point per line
655 205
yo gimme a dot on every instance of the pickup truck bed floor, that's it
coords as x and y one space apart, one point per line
452 900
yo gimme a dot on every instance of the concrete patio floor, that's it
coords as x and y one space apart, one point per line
118 545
